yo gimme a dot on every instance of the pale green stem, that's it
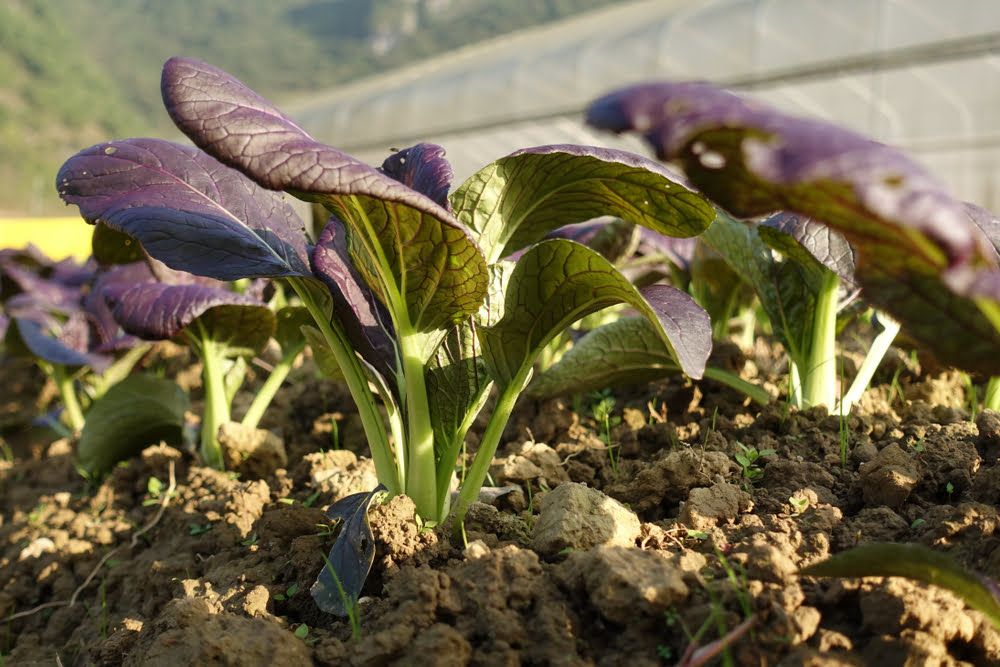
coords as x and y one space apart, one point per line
71 404
872 360
476 474
421 484
991 309
992 399
820 381
758 394
357 383
794 384
234 378
748 322
118 371
270 387
216 411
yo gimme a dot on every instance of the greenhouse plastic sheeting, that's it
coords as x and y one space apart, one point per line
920 74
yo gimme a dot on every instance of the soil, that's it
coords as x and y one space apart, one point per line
596 557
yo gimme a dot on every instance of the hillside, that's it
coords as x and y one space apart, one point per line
74 73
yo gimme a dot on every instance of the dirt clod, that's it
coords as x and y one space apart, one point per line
254 453
706 507
622 582
576 517
889 478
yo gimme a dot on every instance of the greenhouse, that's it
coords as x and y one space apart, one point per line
918 76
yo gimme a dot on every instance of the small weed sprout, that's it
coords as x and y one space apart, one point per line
289 592
154 492
602 411
195 529
748 458
949 488
799 503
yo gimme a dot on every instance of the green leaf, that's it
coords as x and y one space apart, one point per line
110 246
518 199
322 354
717 288
914 561
627 351
557 282
431 264
457 388
787 290
244 329
290 320
137 412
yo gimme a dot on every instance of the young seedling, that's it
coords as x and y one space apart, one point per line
407 287
748 458
603 412
799 503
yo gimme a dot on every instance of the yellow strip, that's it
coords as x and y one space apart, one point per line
56 237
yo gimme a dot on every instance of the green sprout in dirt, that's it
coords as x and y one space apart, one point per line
603 412
799 503
749 460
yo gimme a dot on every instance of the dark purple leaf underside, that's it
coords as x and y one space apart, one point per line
96 306
65 345
419 248
351 557
912 240
47 292
679 251
186 209
422 168
365 320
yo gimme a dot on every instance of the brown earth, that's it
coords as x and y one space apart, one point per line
597 558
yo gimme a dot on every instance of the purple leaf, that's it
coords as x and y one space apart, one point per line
154 311
65 345
106 327
338 586
423 168
679 251
753 160
186 209
47 292
827 246
408 244
365 320
912 240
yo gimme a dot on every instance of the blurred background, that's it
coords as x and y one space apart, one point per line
485 77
